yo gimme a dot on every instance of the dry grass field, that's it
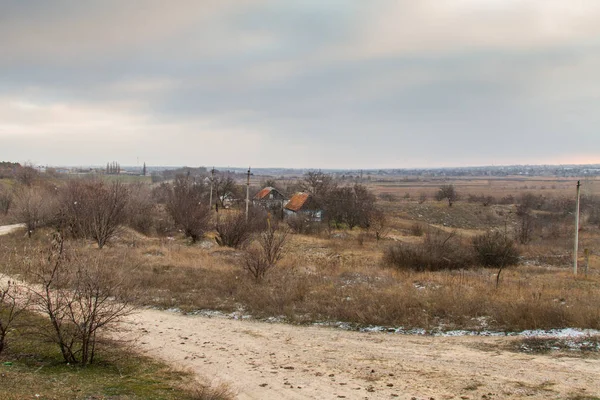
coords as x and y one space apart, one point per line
339 276
344 278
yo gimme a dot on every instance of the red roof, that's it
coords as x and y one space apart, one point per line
263 193
297 201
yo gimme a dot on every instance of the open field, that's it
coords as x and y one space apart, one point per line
340 277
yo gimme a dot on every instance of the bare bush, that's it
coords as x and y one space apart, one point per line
483 199
303 224
380 224
235 230
34 206
12 303
416 229
94 209
439 251
6 199
526 224
26 175
266 252
494 249
188 207
447 192
82 299
350 205
391 197
140 212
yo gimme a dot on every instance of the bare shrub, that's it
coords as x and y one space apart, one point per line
439 251
235 230
494 249
188 207
484 200
26 175
447 192
416 229
206 392
391 197
266 253
350 205
380 224
140 212
34 206
303 224
94 209
12 303
526 224
6 199
81 297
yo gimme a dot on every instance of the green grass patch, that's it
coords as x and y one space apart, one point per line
32 368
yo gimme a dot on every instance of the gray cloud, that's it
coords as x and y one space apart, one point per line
300 84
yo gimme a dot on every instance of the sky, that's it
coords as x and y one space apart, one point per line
300 83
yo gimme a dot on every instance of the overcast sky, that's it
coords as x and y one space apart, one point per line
306 83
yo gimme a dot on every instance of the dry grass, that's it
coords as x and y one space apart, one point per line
339 276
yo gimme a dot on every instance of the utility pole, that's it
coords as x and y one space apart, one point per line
247 194
576 229
212 179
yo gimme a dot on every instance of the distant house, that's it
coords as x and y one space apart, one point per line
304 204
227 200
270 198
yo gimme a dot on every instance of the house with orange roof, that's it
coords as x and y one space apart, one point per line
303 203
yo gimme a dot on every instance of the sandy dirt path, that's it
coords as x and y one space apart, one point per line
276 361
6 229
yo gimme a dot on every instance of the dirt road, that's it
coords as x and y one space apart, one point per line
6 229
276 361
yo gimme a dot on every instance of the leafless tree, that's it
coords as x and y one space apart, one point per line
34 206
94 209
81 297
379 224
27 174
266 253
350 205
317 183
187 206
447 192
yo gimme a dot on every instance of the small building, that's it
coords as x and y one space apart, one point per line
270 198
228 200
303 203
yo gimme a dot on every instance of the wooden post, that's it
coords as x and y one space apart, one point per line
576 229
247 194
212 179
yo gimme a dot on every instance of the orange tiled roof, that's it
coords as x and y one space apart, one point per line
297 201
